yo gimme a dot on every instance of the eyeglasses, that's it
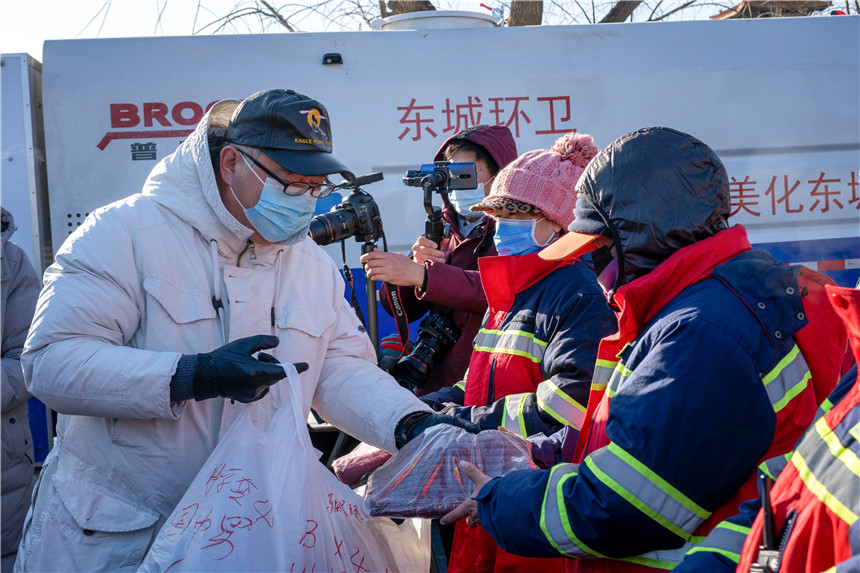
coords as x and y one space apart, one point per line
295 188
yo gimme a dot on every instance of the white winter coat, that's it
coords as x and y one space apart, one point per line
130 292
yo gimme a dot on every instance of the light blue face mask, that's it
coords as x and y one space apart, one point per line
517 236
277 217
462 199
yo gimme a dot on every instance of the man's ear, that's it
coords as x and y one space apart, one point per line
228 164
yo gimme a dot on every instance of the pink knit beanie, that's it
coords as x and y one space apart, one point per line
543 179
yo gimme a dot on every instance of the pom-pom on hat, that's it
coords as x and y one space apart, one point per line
543 180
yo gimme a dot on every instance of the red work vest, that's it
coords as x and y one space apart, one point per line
816 498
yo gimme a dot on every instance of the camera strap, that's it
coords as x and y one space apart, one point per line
353 300
395 303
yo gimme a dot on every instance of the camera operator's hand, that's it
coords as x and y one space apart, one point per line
231 371
393 268
415 423
426 250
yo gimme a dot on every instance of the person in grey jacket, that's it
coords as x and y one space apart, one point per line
148 330
20 288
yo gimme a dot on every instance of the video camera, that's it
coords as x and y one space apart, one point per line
443 176
440 177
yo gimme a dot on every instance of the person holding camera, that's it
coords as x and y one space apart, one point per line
147 331
534 355
443 279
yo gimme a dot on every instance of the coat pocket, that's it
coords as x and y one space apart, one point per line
77 525
184 304
99 530
312 320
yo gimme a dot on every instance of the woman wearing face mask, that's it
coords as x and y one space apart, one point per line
532 360
444 279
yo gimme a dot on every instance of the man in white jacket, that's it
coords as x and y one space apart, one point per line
149 318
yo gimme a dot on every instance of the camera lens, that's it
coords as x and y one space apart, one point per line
436 334
333 226
413 369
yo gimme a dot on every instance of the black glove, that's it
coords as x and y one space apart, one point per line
231 371
415 423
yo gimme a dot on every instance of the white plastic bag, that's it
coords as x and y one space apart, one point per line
264 502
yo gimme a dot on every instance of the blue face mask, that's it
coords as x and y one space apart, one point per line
277 217
517 236
462 199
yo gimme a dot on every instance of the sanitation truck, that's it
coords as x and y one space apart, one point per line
777 99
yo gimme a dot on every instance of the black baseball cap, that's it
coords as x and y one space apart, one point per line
291 128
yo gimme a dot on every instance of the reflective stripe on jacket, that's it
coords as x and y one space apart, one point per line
675 445
533 356
530 369
816 499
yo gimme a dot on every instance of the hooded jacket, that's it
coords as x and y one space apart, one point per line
130 292
704 380
20 288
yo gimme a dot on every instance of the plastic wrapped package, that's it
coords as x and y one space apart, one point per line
352 467
423 479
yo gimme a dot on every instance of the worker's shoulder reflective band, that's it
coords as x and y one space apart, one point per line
647 491
514 421
619 375
774 466
727 539
555 402
554 520
832 474
461 385
516 342
788 379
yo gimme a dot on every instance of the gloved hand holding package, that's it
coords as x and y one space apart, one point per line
423 480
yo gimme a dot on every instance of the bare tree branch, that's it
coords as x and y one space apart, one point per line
674 10
656 6
277 15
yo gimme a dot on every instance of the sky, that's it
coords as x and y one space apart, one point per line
26 24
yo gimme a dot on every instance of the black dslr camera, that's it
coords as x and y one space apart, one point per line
358 216
436 335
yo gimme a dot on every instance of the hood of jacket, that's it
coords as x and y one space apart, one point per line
496 139
184 182
8 225
653 191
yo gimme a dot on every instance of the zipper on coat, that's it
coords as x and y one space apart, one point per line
784 537
249 244
491 385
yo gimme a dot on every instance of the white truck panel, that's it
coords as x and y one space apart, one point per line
23 190
776 98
